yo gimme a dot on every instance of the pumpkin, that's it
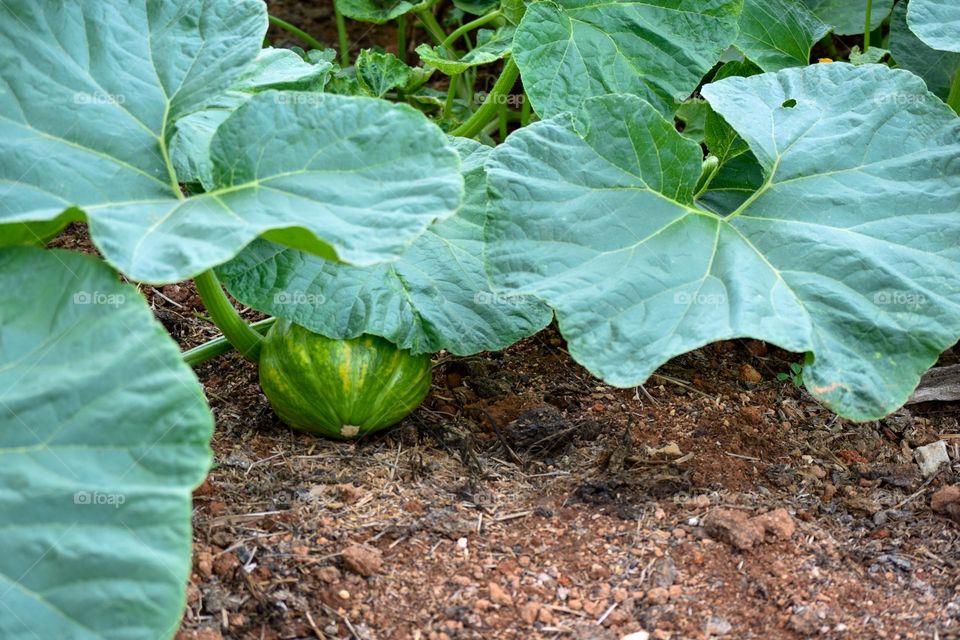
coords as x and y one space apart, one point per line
341 389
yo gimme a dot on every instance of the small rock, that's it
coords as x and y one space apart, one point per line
200 634
204 562
931 456
499 595
482 605
718 626
225 565
733 527
805 622
658 595
362 560
664 573
750 375
530 612
947 501
330 575
637 635
777 523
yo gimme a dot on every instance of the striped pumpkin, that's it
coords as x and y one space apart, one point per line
341 389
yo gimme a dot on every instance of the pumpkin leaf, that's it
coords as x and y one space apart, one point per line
379 73
378 11
872 56
848 250
571 50
937 68
849 17
101 442
777 34
491 46
313 164
476 7
436 296
936 23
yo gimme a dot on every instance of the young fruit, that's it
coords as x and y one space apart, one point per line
340 388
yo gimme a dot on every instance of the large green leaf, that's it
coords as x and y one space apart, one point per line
937 68
570 50
343 177
850 249
104 431
436 296
777 34
84 117
378 11
491 46
849 17
937 23
364 175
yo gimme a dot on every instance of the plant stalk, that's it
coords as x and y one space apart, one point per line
954 98
525 110
225 316
490 107
219 346
866 29
451 95
402 38
432 26
468 27
299 33
342 36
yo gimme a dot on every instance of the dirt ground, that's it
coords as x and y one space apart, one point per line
527 499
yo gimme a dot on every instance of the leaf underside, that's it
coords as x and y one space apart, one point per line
849 249
436 296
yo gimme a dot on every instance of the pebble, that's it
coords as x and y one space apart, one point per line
499 595
717 626
637 635
947 501
362 560
931 456
749 374
530 612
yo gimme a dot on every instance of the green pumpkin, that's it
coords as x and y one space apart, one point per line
341 389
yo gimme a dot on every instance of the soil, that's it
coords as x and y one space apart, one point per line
527 499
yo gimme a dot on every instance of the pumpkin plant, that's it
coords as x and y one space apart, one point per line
530 167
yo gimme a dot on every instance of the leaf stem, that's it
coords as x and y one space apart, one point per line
219 346
866 28
525 110
488 110
451 95
299 33
468 27
954 98
402 38
342 35
241 336
433 27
